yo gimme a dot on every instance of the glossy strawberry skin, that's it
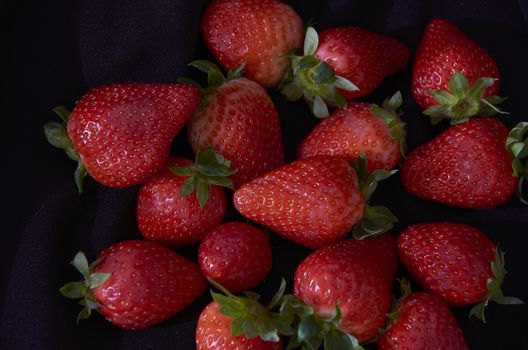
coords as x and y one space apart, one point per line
239 121
355 274
466 166
362 57
166 217
424 323
443 51
236 255
349 131
449 259
149 283
253 33
213 333
123 132
313 202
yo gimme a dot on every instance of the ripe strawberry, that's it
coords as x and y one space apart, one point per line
236 255
252 33
360 128
446 64
135 284
168 214
455 261
423 322
342 64
238 119
466 166
121 133
356 275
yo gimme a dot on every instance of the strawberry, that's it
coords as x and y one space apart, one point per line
315 201
236 255
256 34
121 133
167 213
238 119
341 64
360 128
453 77
455 261
135 284
422 322
466 166
355 275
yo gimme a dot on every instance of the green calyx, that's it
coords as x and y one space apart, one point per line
517 145
376 219
313 79
83 289
210 168
463 101
494 288
390 112
57 136
405 291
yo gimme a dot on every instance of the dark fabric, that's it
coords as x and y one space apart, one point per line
54 51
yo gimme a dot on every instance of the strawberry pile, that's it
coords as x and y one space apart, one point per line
120 135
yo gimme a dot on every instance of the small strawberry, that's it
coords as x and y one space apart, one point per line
236 255
356 275
121 133
341 64
453 77
256 34
238 119
421 322
455 261
168 214
315 201
135 284
360 128
466 166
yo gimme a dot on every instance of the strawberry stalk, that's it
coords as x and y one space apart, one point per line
57 136
517 144
83 289
313 79
494 288
210 168
390 112
463 101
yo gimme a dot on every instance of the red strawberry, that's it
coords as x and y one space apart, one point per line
135 284
252 33
446 64
360 128
455 261
355 275
238 119
466 166
423 322
168 214
342 64
236 255
121 133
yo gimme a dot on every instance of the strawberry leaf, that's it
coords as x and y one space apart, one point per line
517 145
311 41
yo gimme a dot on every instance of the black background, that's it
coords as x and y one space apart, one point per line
54 51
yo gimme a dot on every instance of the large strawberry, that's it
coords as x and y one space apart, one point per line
238 119
360 128
354 275
315 201
135 284
453 77
456 261
121 133
167 211
341 64
254 33
466 166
